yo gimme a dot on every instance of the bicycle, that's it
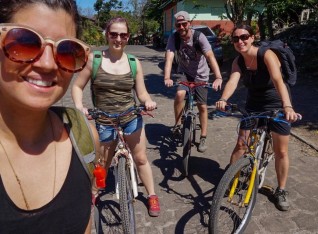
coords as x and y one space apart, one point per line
189 120
124 169
235 197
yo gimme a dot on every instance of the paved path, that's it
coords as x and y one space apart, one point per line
185 202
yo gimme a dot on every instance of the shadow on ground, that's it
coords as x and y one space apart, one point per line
170 164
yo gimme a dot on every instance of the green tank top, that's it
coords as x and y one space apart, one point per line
114 94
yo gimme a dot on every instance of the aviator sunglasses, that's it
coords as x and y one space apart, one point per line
243 37
24 45
114 35
184 24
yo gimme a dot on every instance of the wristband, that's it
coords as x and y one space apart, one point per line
222 99
288 107
219 78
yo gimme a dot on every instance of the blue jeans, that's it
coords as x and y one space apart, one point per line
108 133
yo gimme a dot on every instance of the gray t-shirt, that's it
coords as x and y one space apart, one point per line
191 61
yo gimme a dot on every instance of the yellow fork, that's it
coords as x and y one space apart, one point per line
251 185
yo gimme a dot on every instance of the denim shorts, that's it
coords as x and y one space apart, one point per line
108 133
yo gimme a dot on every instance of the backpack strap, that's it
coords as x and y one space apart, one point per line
260 60
97 60
80 134
177 40
196 42
133 65
241 64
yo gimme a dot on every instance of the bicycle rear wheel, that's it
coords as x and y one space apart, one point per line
230 215
126 198
187 143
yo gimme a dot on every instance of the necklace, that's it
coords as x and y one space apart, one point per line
248 67
16 176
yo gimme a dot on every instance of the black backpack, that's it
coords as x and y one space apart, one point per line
285 56
196 44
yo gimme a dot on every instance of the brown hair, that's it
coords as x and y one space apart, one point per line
114 20
10 7
245 27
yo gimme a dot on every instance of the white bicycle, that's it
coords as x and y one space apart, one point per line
124 168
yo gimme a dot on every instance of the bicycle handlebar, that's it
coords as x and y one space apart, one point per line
96 113
192 85
275 115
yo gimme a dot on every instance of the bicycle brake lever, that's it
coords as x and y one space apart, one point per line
143 112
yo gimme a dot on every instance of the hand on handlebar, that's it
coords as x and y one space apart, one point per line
84 110
291 116
221 105
217 84
150 105
168 82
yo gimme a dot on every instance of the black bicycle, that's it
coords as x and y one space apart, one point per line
189 121
234 199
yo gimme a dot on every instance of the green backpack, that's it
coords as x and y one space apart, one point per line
97 60
80 134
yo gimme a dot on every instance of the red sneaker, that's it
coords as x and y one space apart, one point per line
153 206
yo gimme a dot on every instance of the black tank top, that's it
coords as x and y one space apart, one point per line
68 212
262 94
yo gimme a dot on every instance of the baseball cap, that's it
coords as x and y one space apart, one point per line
182 16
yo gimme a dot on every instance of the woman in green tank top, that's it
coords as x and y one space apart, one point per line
114 88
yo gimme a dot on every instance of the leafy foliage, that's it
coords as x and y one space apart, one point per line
91 33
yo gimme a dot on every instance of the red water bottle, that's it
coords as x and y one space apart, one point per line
100 175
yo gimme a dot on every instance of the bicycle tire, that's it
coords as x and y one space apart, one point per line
187 143
226 217
126 198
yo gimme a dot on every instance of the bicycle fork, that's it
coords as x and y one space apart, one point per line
130 165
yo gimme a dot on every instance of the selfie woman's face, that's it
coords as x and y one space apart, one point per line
40 84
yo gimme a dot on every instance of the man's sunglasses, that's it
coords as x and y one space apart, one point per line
24 45
184 24
114 35
243 37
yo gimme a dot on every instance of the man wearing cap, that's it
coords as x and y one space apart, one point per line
192 66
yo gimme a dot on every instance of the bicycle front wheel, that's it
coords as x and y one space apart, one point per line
126 199
187 143
230 214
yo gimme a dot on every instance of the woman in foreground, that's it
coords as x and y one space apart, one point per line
43 187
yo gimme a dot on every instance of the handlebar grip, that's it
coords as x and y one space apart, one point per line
299 116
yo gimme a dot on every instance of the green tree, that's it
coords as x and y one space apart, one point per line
103 10
91 33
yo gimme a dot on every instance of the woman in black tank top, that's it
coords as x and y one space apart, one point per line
266 91
43 185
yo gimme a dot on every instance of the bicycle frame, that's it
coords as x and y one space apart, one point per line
189 104
259 137
121 147
189 121
123 164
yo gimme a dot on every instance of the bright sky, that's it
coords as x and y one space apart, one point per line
86 3
90 3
